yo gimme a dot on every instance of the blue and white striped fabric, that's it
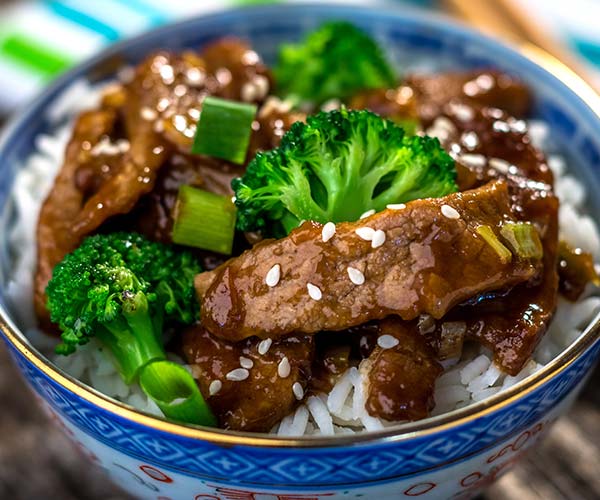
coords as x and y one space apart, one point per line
39 39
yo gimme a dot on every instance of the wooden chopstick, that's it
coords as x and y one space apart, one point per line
507 19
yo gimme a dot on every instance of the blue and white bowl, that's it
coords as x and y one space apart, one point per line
452 455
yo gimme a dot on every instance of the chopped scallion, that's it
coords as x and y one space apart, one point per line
523 239
487 233
224 129
204 220
175 392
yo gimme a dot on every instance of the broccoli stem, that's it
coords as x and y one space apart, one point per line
133 338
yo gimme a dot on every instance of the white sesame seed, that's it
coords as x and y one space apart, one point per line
328 231
273 276
387 341
163 104
450 212
462 111
214 387
298 390
470 139
485 81
261 84
368 213
444 123
396 206
167 74
194 113
284 368
194 77
148 114
518 126
378 239
365 233
248 92
472 160
500 126
331 105
180 122
246 362
500 164
264 346
123 145
314 291
238 375
356 276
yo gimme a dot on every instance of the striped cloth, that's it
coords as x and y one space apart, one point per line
40 39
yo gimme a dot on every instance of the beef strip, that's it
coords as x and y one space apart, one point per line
512 326
239 71
55 236
493 145
401 379
265 397
428 264
477 88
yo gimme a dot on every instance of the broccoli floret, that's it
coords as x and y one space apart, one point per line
122 289
335 61
334 168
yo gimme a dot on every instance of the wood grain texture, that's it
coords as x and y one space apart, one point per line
37 461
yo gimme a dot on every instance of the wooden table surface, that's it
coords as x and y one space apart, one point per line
37 461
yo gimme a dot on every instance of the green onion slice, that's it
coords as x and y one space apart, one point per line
204 220
523 239
175 392
224 129
487 233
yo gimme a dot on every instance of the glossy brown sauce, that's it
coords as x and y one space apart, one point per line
407 275
576 270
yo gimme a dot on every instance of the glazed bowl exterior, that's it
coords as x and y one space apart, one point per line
451 456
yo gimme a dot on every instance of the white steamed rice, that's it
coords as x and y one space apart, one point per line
342 411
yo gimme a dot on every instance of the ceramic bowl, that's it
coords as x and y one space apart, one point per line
453 455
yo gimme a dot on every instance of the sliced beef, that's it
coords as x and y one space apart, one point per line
65 202
490 144
477 88
240 72
428 263
512 326
261 400
401 379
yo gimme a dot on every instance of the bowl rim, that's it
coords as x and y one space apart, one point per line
396 433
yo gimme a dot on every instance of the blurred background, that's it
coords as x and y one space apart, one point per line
40 39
